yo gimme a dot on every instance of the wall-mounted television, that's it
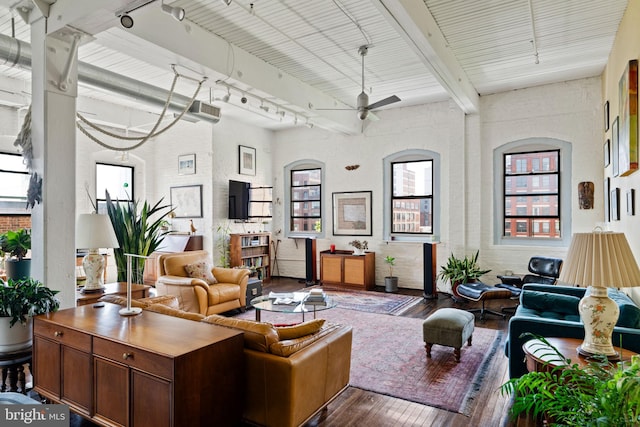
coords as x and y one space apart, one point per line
238 200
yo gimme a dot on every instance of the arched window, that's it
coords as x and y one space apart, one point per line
304 195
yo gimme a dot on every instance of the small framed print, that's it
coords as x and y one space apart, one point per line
186 201
187 164
615 204
631 202
607 200
607 153
606 116
247 160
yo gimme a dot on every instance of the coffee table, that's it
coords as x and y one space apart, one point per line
264 303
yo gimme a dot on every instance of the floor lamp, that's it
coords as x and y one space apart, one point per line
94 231
599 260
128 310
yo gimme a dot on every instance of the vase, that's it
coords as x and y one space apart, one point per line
15 338
357 251
18 270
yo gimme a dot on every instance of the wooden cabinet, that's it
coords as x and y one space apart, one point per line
343 269
252 251
141 370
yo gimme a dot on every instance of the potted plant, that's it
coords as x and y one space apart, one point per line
461 270
19 301
359 246
391 281
16 244
600 394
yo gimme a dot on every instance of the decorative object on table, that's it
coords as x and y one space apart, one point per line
16 244
19 301
461 270
247 160
352 213
186 201
628 120
585 195
599 260
128 310
391 281
359 247
136 232
599 394
93 232
192 228
187 164
631 202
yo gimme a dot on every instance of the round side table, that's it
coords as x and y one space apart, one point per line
12 364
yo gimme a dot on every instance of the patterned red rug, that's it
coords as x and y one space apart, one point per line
373 302
388 357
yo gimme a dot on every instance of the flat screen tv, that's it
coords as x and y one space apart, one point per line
238 200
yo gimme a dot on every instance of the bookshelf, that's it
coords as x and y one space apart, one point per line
252 251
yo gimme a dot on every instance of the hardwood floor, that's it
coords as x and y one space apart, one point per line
355 407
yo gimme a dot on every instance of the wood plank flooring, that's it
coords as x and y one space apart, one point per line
355 407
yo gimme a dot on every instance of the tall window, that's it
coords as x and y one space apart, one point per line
14 182
117 180
412 197
534 216
305 199
260 202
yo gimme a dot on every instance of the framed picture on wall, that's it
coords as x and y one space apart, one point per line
606 116
607 153
615 204
187 201
352 213
614 146
631 202
187 164
607 202
247 160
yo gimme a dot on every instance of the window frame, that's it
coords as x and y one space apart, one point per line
20 202
404 199
101 202
301 165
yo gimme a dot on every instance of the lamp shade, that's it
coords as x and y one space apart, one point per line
600 259
95 231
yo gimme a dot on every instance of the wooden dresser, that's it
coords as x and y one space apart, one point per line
145 370
343 269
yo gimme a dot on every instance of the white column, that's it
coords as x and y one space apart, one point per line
54 140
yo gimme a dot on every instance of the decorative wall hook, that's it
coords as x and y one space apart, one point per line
352 167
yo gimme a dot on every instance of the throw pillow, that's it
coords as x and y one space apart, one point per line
163 309
548 301
201 270
120 300
629 312
300 330
257 335
168 300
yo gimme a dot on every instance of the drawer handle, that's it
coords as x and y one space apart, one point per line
126 356
58 333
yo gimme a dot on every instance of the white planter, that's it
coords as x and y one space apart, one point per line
16 338
357 251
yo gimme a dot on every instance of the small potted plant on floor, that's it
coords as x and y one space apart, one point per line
19 301
359 246
16 244
391 281
461 270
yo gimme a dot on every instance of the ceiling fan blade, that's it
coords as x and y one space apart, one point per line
383 102
335 109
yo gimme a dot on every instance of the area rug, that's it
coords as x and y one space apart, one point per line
388 357
373 302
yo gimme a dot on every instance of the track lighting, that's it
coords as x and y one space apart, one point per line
126 21
177 12
227 2
263 107
226 97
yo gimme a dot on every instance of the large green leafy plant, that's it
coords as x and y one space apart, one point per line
26 298
138 230
462 270
600 394
16 243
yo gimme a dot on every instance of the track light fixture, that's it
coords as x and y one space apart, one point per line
177 12
226 97
126 21
227 2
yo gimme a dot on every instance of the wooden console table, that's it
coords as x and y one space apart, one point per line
343 269
145 370
117 288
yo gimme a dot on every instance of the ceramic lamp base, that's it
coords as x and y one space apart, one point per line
93 264
599 313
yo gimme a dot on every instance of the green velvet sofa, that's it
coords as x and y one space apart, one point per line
552 311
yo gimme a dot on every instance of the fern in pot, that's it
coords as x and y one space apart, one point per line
461 270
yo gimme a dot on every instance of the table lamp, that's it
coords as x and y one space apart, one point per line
94 231
599 260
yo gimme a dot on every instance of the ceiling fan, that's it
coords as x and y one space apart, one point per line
362 103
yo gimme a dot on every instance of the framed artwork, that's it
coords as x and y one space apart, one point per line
352 213
614 146
606 116
628 120
631 202
607 211
247 160
187 164
187 201
607 153
614 202
585 195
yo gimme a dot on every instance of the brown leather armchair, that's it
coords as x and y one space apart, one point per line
196 295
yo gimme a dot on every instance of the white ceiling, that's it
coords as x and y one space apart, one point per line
300 56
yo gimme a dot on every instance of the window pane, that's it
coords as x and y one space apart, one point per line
260 209
305 209
412 178
13 186
306 177
412 216
118 180
260 194
305 193
529 227
527 162
531 206
305 224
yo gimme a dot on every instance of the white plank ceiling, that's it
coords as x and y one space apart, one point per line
316 43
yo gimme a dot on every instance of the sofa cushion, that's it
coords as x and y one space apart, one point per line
120 300
299 330
549 302
629 311
168 300
163 309
201 270
257 335
286 348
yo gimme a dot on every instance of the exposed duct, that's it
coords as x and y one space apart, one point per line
16 52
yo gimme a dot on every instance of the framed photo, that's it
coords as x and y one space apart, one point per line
606 116
614 146
607 153
352 213
187 201
631 202
187 164
615 204
628 120
247 160
607 202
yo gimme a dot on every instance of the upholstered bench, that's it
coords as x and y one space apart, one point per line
449 327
